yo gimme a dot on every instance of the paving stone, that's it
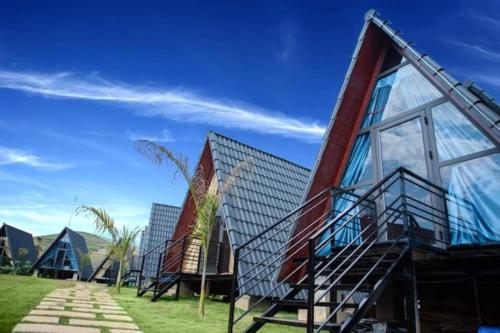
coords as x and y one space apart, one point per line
117 317
102 323
109 307
118 330
42 319
71 297
118 312
80 305
47 328
51 302
50 307
72 314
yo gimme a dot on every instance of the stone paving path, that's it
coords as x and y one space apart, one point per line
84 308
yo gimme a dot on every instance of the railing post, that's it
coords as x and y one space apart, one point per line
220 249
200 258
402 191
331 215
310 286
234 285
446 218
178 289
139 283
158 273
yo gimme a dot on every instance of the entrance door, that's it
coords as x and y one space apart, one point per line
404 143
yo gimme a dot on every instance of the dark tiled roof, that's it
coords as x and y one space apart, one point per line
79 245
162 222
19 239
260 196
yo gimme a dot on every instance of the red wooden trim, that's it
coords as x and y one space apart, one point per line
187 217
344 130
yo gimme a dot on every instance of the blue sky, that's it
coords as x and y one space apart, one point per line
79 81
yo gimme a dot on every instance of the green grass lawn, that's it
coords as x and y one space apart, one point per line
20 294
169 315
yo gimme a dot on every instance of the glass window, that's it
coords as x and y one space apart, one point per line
403 146
359 166
455 135
473 199
397 92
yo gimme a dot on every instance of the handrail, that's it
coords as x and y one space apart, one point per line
402 217
293 212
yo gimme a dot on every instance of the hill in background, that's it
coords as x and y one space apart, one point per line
97 245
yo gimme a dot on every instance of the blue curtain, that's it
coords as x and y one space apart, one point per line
474 201
378 100
357 166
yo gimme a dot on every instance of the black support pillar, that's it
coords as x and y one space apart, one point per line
411 296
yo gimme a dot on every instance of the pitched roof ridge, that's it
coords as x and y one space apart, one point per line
166 205
258 150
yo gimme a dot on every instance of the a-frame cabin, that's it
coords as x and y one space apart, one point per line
16 246
263 192
107 270
66 258
400 224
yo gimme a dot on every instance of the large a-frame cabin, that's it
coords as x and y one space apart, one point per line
264 190
400 224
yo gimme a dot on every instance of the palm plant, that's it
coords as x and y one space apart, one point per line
206 199
121 239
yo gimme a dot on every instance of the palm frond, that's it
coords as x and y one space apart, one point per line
160 154
102 221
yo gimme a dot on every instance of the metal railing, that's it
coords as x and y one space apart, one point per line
339 231
180 257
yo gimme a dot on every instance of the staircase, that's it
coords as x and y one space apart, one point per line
345 254
177 259
170 262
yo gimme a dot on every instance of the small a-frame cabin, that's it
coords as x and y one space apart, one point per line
107 270
400 226
263 192
66 258
16 246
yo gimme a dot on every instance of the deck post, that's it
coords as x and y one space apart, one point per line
158 274
310 287
410 280
139 284
178 288
476 298
234 285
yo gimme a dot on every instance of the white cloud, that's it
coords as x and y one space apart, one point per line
46 218
176 104
164 136
17 156
485 18
481 50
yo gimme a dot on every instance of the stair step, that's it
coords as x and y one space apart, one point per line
303 304
297 323
338 286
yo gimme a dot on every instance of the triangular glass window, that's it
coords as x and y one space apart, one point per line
456 136
398 92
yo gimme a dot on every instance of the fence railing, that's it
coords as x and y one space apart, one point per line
336 230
